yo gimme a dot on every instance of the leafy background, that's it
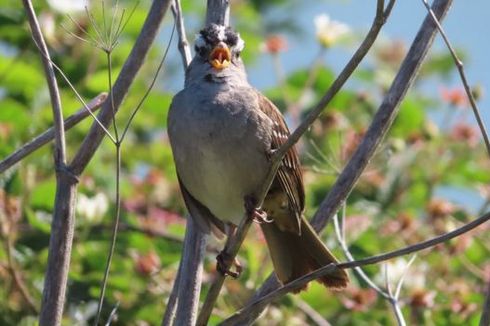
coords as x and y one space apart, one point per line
430 176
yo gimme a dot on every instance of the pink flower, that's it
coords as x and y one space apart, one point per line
455 97
274 44
467 133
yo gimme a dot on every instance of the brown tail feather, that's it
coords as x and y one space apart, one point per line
295 255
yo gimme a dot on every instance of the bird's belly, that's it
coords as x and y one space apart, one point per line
223 168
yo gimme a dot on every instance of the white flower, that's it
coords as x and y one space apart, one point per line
68 6
92 208
414 276
329 31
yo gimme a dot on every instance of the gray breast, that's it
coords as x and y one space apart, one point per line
220 139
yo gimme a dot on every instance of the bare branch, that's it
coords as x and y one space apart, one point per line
218 12
185 51
242 316
48 135
382 120
462 75
387 295
59 131
191 274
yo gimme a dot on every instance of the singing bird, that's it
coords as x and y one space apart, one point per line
223 133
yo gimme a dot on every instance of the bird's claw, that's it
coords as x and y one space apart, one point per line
257 215
224 262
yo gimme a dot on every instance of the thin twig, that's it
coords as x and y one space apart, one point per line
80 98
48 135
387 295
402 278
459 65
118 144
311 313
59 130
257 306
349 257
150 87
115 230
185 51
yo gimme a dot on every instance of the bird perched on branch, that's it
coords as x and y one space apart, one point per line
223 133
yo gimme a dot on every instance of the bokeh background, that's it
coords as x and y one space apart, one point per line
429 176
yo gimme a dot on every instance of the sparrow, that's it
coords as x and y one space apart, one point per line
223 133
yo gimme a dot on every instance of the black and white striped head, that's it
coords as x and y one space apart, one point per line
219 45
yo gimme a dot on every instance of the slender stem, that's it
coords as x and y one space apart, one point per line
80 98
462 75
114 234
358 270
48 135
111 93
148 90
185 51
60 146
218 12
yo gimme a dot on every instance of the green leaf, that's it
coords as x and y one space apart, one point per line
36 222
43 196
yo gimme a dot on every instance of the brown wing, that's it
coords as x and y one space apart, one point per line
289 178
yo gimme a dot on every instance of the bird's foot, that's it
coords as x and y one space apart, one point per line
257 215
224 262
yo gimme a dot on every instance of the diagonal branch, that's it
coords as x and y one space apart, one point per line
242 316
462 75
59 130
49 134
377 130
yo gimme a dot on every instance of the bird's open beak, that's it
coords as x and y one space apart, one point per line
220 57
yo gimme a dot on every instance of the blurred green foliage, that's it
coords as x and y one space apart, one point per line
429 176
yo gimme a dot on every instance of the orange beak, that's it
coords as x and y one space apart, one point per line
220 57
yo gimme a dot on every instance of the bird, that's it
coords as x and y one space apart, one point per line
223 134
